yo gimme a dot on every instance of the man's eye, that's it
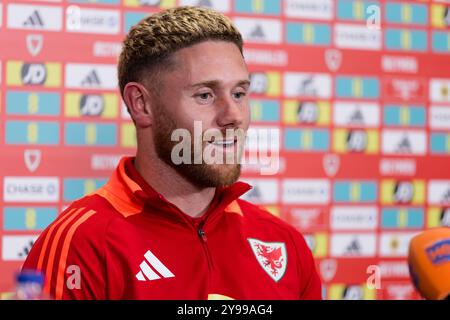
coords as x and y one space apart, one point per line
204 96
239 95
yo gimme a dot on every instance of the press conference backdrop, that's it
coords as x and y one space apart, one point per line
360 91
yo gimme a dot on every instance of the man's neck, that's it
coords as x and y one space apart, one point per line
190 199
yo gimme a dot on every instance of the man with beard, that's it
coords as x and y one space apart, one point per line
165 229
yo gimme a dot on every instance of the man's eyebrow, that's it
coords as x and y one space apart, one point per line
215 83
244 83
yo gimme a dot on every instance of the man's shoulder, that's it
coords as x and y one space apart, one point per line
87 217
96 204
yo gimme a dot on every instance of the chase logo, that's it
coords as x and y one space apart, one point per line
260 30
440 143
355 191
404 116
354 10
406 40
309 9
32 17
269 7
265 110
357 87
32 133
318 244
33 103
438 217
91 105
308 34
440 42
354 218
77 188
23 219
405 13
162 4
266 83
351 292
306 191
402 218
90 134
99 21
306 112
403 192
439 252
315 140
31 189
96 1
351 36
440 15
19 73
356 140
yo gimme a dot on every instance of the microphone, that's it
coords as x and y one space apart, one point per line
429 263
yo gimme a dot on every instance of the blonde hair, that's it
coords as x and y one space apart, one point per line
149 45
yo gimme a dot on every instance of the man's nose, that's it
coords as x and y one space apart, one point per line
230 113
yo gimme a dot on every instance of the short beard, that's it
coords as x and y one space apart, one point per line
202 175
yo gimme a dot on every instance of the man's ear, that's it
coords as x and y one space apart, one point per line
138 101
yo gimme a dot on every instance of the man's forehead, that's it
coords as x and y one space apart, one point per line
210 51
212 62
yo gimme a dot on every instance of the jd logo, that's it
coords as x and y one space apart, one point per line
308 112
357 140
445 217
353 293
403 192
33 73
91 105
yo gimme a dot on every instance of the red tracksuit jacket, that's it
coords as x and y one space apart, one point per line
126 241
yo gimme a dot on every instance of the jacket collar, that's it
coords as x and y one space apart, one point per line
131 197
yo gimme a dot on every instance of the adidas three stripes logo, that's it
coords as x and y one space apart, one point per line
152 269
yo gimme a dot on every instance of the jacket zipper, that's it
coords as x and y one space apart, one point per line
201 234
203 239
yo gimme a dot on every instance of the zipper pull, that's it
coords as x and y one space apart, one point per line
202 234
